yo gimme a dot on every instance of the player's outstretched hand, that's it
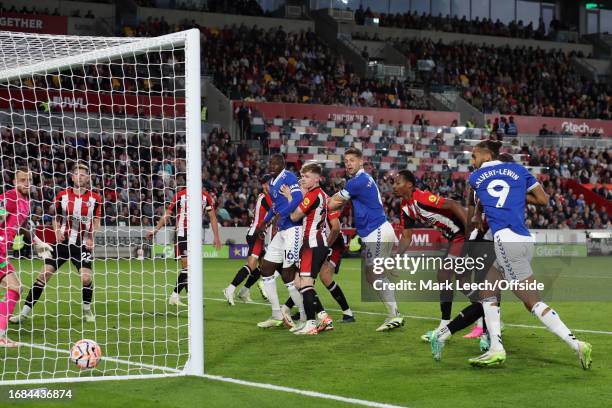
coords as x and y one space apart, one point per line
89 244
286 191
43 250
217 243
149 234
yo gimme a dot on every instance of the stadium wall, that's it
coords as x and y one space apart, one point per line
271 110
532 124
122 242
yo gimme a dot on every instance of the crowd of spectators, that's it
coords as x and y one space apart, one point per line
241 7
254 64
521 80
43 12
138 174
456 24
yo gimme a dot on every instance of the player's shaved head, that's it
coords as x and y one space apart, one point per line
485 151
492 146
277 164
404 184
407 175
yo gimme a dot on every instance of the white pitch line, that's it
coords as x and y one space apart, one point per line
112 359
172 371
524 326
314 394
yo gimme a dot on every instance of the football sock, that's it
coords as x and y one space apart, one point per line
337 294
466 317
33 296
253 277
87 293
492 318
7 306
272 294
309 296
388 298
289 302
318 304
553 322
241 275
297 298
446 308
181 281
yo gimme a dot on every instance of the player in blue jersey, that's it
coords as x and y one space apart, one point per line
372 226
503 190
284 249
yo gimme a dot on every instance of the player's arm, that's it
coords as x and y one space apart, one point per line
456 208
351 189
95 227
161 223
336 202
334 231
407 223
214 224
43 250
286 208
58 220
537 196
299 212
3 211
471 211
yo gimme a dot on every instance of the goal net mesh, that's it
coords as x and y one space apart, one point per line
118 106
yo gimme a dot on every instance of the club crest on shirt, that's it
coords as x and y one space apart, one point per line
306 201
433 198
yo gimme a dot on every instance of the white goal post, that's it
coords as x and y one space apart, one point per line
130 109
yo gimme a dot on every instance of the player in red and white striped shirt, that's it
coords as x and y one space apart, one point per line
256 249
443 214
178 209
313 211
77 218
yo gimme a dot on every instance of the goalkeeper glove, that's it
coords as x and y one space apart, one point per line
43 250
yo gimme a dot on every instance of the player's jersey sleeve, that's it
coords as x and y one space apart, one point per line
353 187
530 181
311 200
98 206
172 206
3 209
429 199
334 215
209 205
266 203
57 202
406 221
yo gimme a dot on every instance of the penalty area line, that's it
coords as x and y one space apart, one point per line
313 394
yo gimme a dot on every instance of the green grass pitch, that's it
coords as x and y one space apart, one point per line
133 323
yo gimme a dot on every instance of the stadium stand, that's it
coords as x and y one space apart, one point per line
457 24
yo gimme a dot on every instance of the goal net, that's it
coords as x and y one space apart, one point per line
129 110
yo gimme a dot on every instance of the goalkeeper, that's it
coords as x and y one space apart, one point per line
14 211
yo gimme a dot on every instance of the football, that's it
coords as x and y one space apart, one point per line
85 354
